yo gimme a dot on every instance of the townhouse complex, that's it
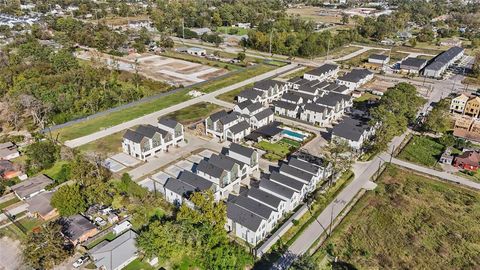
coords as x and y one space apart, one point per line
254 213
146 140
434 68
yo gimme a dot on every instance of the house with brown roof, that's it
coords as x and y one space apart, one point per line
468 160
467 128
39 206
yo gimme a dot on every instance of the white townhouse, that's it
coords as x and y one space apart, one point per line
354 131
289 182
226 180
292 97
286 108
339 103
264 92
355 78
322 72
316 114
458 103
265 212
254 113
243 154
245 224
268 199
147 140
318 171
179 190
379 59
227 126
253 96
290 196
309 179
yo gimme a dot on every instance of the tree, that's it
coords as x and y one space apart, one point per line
413 42
304 262
241 56
338 155
206 210
438 119
46 248
345 18
41 155
68 200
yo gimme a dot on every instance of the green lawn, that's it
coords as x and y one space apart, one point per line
30 223
9 202
193 113
474 176
55 170
99 123
409 222
107 145
366 96
279 150
109 236
137 264
230 96
422 150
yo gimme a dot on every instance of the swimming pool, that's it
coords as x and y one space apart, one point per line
293 135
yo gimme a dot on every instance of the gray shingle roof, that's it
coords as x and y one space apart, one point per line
195 180
289 96
75 226
380 57
31 185
241 150
351 128
40 204
267 84
355 75
252 206
222 161
149 130
286 105
239 127
316 108
229 118
413 62
287 181
251 94
332 99
113 254
168 122
303 165
218 115
210 169
254 107
263 114
277 188
133 136
264 197
304 176
244 104
244 217
322 69
179 187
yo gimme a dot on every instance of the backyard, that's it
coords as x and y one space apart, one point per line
278 150
422 150
396 227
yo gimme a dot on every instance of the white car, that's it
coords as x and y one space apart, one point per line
100 221
80 261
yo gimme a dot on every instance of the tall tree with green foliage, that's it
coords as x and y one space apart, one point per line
304 262
68 200
438 119
41 155
46 248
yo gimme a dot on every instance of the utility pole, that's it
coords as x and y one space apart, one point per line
328 48
270 50
183 29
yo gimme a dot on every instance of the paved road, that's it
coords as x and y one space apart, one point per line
152 118
356 53
443 175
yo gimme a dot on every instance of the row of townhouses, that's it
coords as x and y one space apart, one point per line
466 104
221 173
253 214
235 125
434 68
146 140
263 92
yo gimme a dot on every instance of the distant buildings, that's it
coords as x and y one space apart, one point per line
147 140
442 61
412 65
322 73
8 151
379 59
196 51
11 21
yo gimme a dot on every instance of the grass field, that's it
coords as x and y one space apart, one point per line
313 13
228 29
230 96
118 117
200 60
279 150
9 202
408 222
193 113
366 96
422 150
107 145
137 264
55 169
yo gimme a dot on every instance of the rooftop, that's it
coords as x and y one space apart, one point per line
325 68
31 185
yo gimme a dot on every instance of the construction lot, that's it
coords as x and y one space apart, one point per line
170 70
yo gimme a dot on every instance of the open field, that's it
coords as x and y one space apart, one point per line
194 113
107 145
317 14
230 96
422 150
118 117
231 29
408 222
171 70
200 60
362 58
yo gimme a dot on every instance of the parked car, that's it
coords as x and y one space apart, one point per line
100 221
80 261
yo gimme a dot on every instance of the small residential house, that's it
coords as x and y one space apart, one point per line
472 107
32 186
8 170
457 105
243 154
39 206
121 227
468 160
355 78
117 253
147 140
354 130
244 224
287 109
8 151
196 51
379 59
412 65
316 114
447 157
265 212
322 72
78 229
290 196
268 199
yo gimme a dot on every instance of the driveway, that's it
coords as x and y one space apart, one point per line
11 254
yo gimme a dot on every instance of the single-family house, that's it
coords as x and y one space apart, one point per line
78 229
31 187
117 253
458 103
245 155
265 212
447 157
379 59
197 51
353 130
472 107
244 224
121 227
8 151
468 160
9 170
290 196
39 206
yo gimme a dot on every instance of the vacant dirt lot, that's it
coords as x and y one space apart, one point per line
170 70
10 254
